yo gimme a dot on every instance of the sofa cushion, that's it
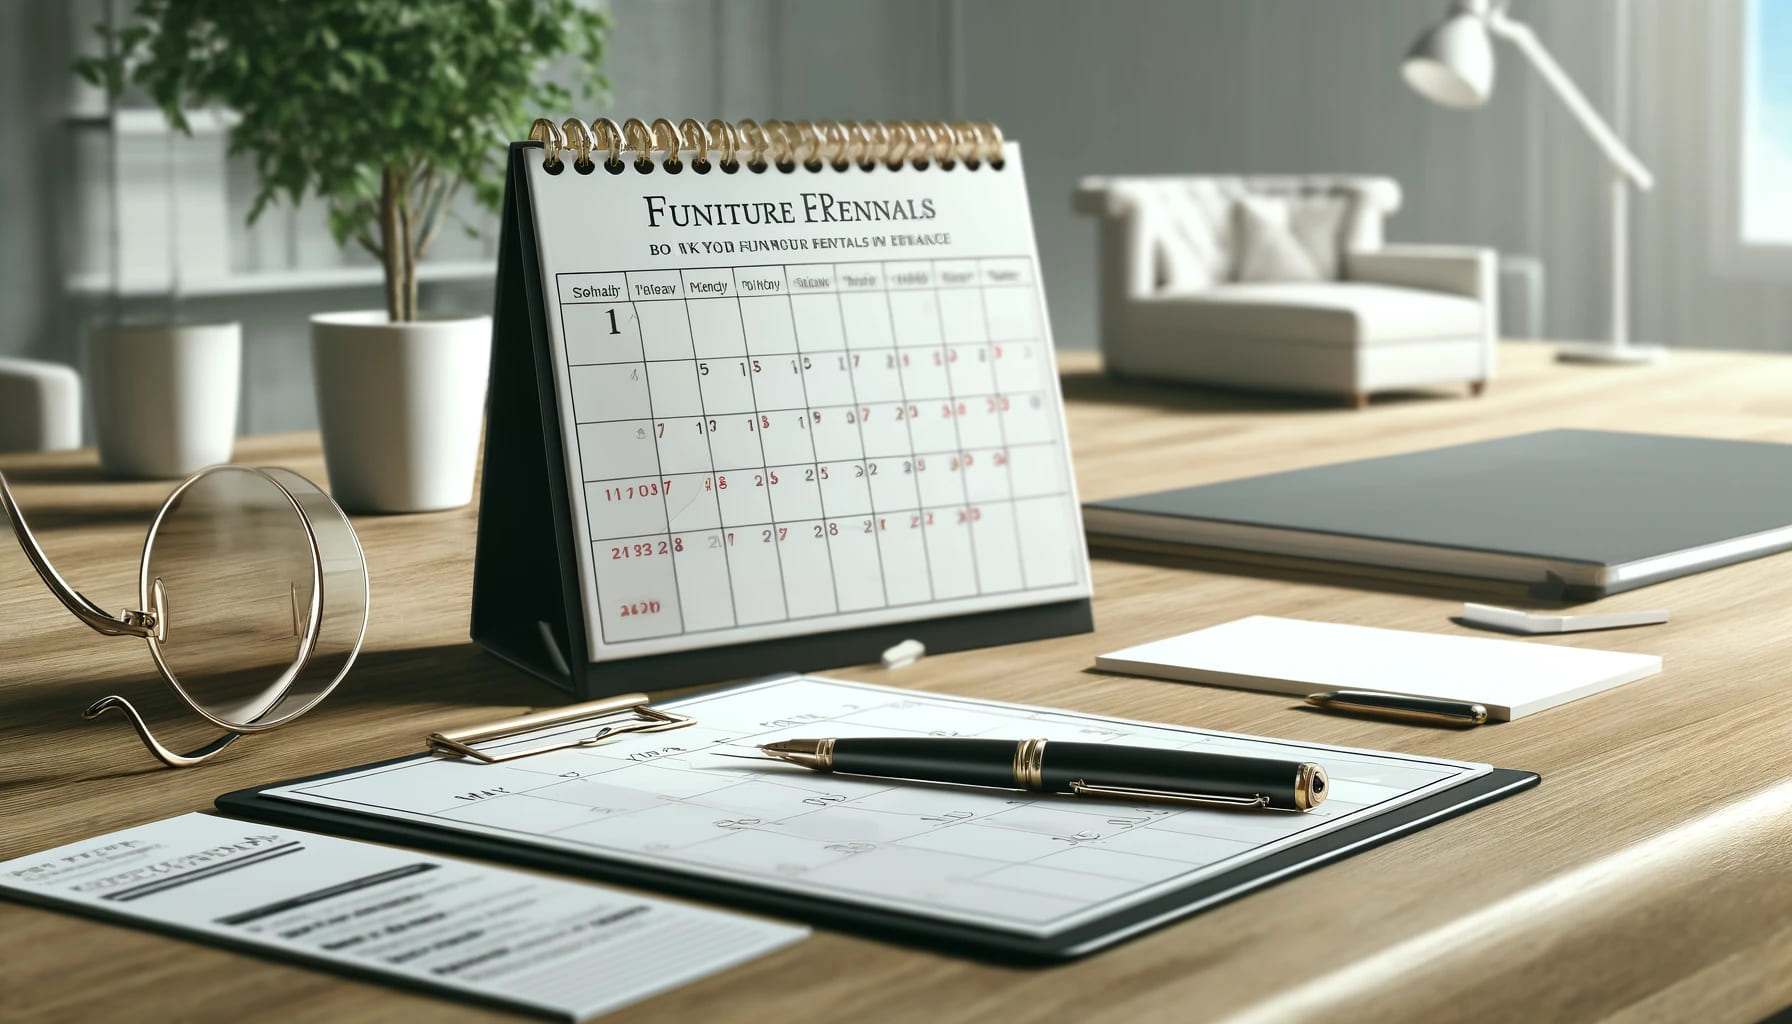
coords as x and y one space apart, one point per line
1288 238
1327 312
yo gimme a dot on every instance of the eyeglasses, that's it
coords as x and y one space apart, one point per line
252 596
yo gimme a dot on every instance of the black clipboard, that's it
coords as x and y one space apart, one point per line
901 926
528 605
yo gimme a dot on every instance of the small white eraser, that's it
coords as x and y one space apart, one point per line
1513 620
904 654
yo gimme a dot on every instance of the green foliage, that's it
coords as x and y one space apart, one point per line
386 108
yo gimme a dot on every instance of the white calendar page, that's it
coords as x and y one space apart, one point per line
806 401
1027 863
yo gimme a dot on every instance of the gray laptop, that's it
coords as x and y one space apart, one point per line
1579 513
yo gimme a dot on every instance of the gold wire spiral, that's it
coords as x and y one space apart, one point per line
814 145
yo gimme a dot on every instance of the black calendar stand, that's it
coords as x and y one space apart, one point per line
527 598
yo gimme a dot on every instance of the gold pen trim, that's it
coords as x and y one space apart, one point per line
1029 765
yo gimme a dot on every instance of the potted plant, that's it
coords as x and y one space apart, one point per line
386 109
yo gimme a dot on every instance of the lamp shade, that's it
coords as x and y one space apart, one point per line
1451 64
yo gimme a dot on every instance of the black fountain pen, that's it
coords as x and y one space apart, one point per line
1085 769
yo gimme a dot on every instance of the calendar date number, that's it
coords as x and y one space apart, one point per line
646 549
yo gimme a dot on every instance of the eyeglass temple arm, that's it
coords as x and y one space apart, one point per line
163 754
131 623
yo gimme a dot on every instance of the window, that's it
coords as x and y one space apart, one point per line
1766 143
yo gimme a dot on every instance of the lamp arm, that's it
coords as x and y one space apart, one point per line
1520 36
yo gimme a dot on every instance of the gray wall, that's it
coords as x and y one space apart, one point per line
1204 86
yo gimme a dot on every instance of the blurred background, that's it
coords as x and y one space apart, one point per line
1213 86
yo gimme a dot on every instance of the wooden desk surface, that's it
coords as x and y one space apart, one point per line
1649 877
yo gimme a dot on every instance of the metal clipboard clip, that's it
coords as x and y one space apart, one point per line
593 722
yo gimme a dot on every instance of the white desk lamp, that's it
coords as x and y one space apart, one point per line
1451 64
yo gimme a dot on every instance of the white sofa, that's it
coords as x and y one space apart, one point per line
1202 281
40 406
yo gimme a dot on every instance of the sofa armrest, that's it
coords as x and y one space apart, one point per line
1469 271
1460 270
40 406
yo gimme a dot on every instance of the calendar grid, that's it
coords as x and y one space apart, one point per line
909 429
821 498
928 529
945 352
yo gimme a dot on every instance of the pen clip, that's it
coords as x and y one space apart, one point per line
1081 788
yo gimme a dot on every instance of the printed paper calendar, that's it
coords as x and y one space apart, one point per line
797 402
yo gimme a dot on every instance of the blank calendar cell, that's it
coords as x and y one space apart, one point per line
961 315
845 491
785 437
726 386
1048 549
665 329
742 502
768 325
818 324
915 318
901 542
674 389
1036 469
933 430
858 568
639 588
937 479
716 331
970 370
1012 314
986 475
808 568
755 574
609 391
794 492
707 602
980 423
683 444
994 537
626 508
624 448
1029 419
875 377
924 374
950 561
892 483
885 428
691 503
867 321
601 333
827 379
778 381
734 441
1020 366
835 433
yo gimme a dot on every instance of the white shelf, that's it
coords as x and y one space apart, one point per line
294 280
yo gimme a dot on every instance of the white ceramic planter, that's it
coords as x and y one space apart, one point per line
401 406
164 396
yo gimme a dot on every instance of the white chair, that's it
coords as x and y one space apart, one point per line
1284 284
40 406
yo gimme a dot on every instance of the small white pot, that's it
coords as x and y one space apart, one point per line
164 396
401 406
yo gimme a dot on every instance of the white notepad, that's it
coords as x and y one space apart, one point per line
1510 678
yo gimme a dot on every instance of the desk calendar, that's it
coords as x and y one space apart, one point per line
783 417
991 870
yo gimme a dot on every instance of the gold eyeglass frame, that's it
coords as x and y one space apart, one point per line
149 621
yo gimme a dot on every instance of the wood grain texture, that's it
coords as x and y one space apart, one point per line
1646 879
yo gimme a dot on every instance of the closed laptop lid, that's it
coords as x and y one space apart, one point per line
1591 496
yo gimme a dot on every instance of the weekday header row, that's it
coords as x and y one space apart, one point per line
730 282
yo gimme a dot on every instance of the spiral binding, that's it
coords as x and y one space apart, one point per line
786 145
